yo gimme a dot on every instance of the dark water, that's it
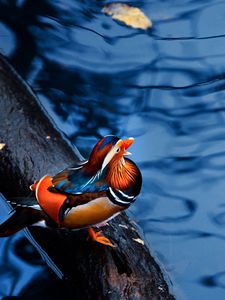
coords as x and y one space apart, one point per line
166 88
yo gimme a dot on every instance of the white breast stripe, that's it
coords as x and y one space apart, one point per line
125 195
116 198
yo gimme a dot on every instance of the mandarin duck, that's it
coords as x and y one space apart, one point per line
83 196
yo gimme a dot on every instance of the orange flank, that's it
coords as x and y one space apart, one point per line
94 212
49 202
99 237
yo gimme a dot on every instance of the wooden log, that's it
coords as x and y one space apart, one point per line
34 147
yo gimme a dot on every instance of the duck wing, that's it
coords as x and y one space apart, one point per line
76 180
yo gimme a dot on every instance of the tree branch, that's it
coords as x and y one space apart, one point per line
34 147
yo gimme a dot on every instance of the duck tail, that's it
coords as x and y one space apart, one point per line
19 218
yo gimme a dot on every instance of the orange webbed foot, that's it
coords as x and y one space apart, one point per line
99 238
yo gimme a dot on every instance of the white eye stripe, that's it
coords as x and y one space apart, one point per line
110 155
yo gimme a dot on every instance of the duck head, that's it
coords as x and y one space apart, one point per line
109 151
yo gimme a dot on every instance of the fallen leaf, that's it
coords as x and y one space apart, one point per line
124 226
139 241
131 16
2 146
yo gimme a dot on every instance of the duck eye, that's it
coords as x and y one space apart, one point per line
117 150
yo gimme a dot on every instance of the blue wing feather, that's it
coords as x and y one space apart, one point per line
76 181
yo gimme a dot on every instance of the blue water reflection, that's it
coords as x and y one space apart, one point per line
165 87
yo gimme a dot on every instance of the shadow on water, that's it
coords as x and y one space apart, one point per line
165 87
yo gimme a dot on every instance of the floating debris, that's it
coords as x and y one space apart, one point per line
140 241
2 145
131 16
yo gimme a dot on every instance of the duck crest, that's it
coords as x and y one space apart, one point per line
98 154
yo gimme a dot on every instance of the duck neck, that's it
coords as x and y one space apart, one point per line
120 174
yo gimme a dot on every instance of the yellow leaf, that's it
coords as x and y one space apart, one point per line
131 16
2 146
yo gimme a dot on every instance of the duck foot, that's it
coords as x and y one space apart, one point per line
99 238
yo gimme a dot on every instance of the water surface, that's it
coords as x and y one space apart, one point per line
165 87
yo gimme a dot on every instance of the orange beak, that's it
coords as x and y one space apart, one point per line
127 143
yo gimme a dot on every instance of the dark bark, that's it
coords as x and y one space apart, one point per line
34 147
